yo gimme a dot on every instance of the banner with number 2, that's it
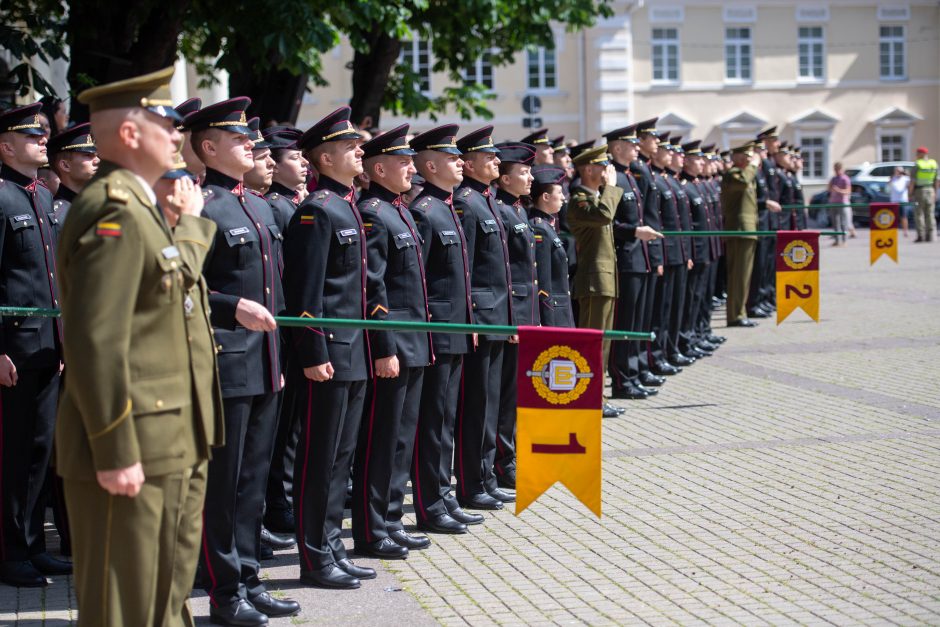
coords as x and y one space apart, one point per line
797 273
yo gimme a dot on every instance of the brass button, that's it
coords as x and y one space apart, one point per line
189 338
219 347
331 336
173 265
159 403
257 225
265 257
241 240
267 290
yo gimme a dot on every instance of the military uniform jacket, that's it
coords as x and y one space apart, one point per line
128 396
395 288
522 265
643 175
739 199
712 192
61 203
698 213
282 201
591 217
28 272
325 277
193 238
446 267
487 255
672 246
685 213
632 254
243 262
798 199
554 295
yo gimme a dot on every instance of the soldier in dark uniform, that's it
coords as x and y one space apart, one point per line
691 342
561 157
284 195
633 268
544 153
242 273
325 277
193 164
642 171
554 294
514 182
74 158
784 186
447 273
258 179
30 350
676 318
395 291
490 283
763 282
796 166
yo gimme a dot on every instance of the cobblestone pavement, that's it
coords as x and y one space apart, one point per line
791 478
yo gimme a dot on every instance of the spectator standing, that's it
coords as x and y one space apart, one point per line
840 193
898 188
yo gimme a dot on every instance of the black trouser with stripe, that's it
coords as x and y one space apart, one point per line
478 416
383 455
238 476
646 321
27 423
662 312
677 312
503 458
280 490
695 299
329 414
434 443
624 364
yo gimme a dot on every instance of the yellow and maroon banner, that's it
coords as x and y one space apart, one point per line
797 273
884 230
558 427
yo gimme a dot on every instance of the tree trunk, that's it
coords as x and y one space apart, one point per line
112 40
370 78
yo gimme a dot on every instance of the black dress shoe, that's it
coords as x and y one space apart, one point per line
630 393
386 549
280 521
681 360
501 495
445 523
269 606
649 391
238 613
697 354
717 339
359 572
21 575
48 565
708 347
610 411
507 479
758 312
329 576
480 501
648 379
276 541
410 541
466 517
665 370
743 322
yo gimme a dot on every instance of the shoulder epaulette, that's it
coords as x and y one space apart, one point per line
320 195
117 194
274 196
466 192
256 193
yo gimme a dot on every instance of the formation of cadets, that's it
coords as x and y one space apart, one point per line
443 226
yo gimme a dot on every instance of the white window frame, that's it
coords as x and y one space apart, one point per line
903 152
892 42
738 44
807 46
542 74
474 73
411 52
665 47
803 139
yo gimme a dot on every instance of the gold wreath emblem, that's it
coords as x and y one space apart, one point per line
884 218
540 374
798 254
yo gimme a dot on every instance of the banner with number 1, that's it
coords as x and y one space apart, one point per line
797 273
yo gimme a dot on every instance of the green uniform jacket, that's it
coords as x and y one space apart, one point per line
194 237
739 199
591 218
129 391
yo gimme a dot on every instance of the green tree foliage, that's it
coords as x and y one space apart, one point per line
31 29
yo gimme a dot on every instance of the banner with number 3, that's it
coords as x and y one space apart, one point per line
884 231
797 273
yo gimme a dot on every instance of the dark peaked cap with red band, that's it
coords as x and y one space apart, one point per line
480 140
441 139
228 115
23 120
332 128
516 152
393 142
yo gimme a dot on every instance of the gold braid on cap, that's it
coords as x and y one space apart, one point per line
433 146
391 148
349 129
472 148
242 121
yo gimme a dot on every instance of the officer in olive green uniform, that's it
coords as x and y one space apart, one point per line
739 212
131 433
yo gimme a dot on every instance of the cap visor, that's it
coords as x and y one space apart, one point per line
166 112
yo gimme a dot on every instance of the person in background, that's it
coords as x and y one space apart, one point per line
840 193
923 191
898 188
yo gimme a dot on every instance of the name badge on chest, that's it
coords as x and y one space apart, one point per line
171 252
241 230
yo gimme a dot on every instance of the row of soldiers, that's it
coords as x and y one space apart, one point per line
307 411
